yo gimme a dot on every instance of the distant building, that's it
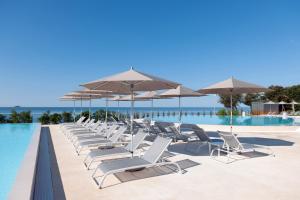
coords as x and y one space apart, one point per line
260 108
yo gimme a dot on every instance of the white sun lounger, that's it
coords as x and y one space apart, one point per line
116 151
78 122
233 146
102 133
149 159
113 140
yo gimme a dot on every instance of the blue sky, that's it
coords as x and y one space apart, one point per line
47 48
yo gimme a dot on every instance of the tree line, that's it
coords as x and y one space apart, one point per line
276 94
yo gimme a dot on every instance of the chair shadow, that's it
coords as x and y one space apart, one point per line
189 148
265 141
155 171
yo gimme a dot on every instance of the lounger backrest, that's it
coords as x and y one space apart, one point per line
116 136
95 125
86 122
200 133
136 141
80 120
158 147
230 140
90 122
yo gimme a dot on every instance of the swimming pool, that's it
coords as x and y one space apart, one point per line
225 120
14 141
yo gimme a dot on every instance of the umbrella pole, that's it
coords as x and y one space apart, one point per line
90 107
118 110
179 106
231 113
81 107
151 109
293 107
131 120
74 112
106 105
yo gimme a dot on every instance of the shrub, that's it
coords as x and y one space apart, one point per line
3 118
67 117
45 118
14 117
25 117
55 118
222 112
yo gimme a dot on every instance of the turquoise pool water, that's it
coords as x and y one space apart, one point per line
225 120
14 141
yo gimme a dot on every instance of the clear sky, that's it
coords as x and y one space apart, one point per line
47 48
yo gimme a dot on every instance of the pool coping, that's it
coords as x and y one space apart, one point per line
24 182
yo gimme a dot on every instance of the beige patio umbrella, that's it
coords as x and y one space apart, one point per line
103 93
180 92
151 95
86 95
117 99
74 99
233 86
283 103
293 104
130 81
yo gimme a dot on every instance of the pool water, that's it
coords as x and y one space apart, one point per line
225 120
14 141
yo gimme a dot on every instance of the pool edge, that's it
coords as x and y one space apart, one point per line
24 182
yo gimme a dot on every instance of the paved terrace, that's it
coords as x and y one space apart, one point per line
258 177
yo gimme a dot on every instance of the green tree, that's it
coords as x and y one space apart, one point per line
14 117
55 118
25 117
277 94
67 117
225 100
2 119
45 118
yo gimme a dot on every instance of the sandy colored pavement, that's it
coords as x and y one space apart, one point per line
258 177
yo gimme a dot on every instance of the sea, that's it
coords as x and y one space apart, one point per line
38 111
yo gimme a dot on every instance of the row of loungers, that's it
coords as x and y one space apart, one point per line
82 136
105 140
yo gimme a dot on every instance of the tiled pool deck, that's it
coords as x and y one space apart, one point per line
259 177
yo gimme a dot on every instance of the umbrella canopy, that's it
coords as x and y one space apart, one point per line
74 99
294 102
233 86
270 102
293 105
179 92
103 94
283 103
131 81
148 95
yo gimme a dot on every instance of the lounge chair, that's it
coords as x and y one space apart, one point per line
233 146
116 151
113 140
85 124
101 133
78 122
89 130
149 159
203 139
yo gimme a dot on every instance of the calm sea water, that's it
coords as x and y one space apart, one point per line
38 111
14 141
